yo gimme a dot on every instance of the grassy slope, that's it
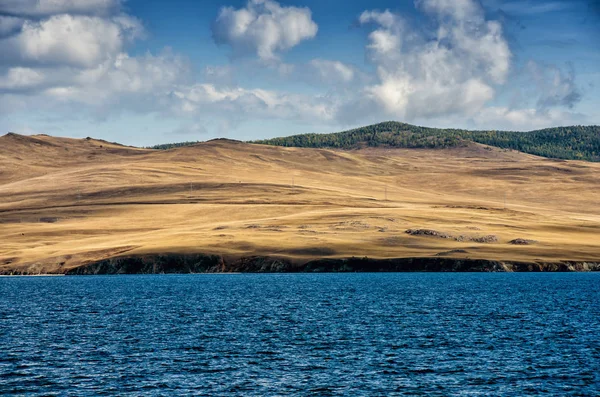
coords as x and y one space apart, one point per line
67 202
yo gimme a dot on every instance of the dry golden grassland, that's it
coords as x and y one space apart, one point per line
67 202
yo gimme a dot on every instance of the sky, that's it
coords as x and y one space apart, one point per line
143 72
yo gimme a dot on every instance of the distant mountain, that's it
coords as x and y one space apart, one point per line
571 143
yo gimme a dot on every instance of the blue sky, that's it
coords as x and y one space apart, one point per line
143 72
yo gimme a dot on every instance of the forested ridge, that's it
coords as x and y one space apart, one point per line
574 143
570 143
167 146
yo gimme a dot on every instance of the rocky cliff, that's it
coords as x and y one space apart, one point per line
199 263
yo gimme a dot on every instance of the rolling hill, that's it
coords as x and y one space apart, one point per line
69 204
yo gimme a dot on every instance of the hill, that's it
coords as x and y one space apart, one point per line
571 143
23 156
72 203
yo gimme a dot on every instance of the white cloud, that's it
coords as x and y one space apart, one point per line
81 41
68 52
452 74
44 8
60 55
264 28
152 83
455 71
142 84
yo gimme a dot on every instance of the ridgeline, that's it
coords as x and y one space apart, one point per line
567 143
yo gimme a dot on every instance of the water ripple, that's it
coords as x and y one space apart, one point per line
322 335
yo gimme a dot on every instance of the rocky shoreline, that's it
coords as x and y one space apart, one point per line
201 263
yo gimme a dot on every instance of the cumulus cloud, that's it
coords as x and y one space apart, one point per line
81 41
454 70
264 28
71 52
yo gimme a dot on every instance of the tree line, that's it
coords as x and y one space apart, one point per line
167 146
571 143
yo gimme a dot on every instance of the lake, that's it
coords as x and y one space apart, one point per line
386 334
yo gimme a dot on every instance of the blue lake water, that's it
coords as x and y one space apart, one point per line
297 334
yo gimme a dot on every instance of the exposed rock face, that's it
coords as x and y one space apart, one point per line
198 263
434 264
427 232
434 233
154 264
522 241
485 239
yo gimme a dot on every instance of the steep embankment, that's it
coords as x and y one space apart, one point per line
236 200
